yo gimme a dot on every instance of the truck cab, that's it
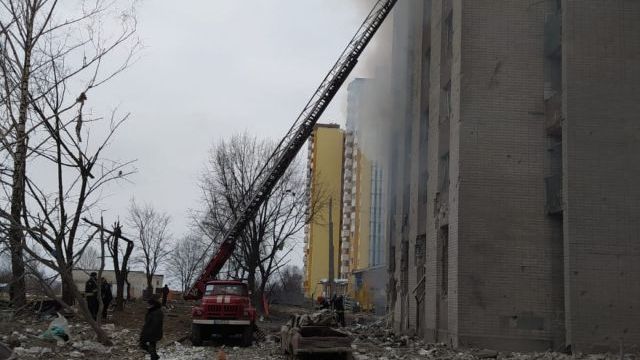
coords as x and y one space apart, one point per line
225 309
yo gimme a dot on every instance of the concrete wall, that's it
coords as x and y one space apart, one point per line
601 137
501 269
137 279
500 236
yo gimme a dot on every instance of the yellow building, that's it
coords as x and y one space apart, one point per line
356 208
324 179
360 257
356 221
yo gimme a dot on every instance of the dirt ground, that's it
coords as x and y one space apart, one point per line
22 334
371 340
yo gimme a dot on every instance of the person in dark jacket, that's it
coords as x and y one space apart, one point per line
152 328
165 294
338 306
91 294
107 297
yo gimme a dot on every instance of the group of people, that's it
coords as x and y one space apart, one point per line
337 304
91 295
153 321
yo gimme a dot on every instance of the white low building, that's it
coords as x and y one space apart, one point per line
137 279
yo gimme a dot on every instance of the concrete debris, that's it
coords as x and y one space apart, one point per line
76 354
91 346
109 327
486 354
19 336
36 350
178 351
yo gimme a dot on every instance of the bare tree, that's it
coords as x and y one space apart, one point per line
184 261
287 287
151 228
51 61
233 169
90 259
120 257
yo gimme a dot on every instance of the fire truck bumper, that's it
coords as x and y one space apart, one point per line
221 322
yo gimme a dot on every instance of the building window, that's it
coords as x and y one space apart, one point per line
443 236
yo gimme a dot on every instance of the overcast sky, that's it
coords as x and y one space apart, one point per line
210 69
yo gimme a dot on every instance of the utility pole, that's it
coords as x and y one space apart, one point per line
330 249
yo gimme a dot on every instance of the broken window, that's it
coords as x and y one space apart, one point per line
420 249
443 237
443 173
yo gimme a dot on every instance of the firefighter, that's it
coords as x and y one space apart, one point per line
91 294
152 328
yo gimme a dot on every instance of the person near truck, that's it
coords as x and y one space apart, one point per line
152 329
91 294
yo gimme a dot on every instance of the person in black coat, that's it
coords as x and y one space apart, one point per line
91 294
165 294
338 306
107 297
152 328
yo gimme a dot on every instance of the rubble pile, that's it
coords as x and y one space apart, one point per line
375 341
34 338
262 350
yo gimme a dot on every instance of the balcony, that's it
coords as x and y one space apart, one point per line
553 115
553 189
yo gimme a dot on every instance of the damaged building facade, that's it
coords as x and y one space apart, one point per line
513 140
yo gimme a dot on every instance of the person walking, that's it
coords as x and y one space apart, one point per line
165 294
152 328
91 295
107 297
338 305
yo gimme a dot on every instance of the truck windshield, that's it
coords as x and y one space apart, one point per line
224 289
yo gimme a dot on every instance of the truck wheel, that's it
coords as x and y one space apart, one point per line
196 335
247 335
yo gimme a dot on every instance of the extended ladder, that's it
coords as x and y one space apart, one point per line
292 142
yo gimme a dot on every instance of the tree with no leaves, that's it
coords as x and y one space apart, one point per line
185 260
90 260
151 229
51 60
232 172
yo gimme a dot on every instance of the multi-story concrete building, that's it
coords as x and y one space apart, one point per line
361 198
324 179
515 150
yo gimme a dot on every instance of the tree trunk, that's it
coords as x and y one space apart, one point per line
17 290
67 294
255 296
67 280
149 286
259 296
120 292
